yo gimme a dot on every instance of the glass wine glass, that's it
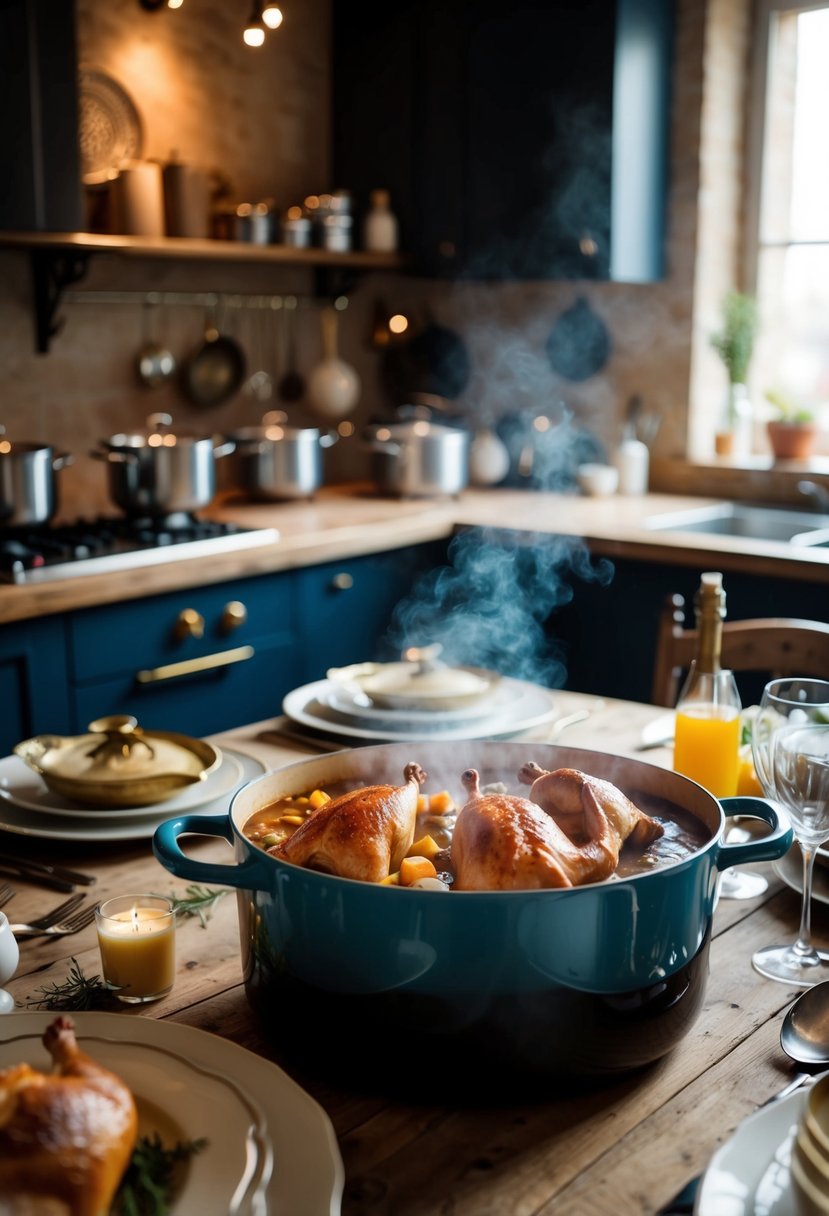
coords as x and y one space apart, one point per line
790 748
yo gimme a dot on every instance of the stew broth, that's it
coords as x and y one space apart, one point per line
683 833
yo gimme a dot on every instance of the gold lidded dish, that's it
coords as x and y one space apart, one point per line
118 763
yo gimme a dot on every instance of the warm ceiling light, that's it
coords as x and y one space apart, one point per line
174 3
254 31
272 16
398 324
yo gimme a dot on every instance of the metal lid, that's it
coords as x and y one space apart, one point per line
156 434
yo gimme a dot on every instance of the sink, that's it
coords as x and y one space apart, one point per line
747 521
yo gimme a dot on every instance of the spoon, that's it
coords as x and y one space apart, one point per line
291 385
154 363
804 1035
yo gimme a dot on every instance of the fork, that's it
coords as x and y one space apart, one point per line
71 924
6 893
52 917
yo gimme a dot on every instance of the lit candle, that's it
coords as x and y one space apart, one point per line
137 940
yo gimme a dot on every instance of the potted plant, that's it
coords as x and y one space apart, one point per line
792 433
734 343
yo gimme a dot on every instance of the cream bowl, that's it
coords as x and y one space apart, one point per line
597 480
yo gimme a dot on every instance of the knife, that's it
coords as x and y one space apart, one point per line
44 880
43 869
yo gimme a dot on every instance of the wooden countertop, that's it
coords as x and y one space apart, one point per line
625 1146
347 521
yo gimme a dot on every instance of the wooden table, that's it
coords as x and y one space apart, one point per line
624 1148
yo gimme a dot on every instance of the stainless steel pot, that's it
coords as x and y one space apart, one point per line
159 471
419 459
493 985
28 493
277 461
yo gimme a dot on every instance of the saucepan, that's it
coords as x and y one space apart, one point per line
28 493
502 986
157 471
419 459
278 461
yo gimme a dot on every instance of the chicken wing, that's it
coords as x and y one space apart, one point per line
364 834
65 1136
571 797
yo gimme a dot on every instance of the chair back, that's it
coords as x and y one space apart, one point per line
776 646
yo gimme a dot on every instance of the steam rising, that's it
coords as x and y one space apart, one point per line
489 606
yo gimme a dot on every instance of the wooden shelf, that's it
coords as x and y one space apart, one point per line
198 250
60 259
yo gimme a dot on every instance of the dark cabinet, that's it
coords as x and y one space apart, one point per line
526 141
34 689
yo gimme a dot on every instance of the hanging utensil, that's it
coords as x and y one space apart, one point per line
215 371
579 343
259 384
291 385
154 363
333 385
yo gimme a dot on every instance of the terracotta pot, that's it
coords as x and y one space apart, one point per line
791 440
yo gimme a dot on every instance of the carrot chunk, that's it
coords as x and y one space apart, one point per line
412 868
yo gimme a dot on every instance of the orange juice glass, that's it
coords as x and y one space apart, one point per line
707 746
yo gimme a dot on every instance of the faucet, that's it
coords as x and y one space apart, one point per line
817 495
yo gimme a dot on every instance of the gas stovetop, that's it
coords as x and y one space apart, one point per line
99 546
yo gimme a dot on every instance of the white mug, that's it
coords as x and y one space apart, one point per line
9 958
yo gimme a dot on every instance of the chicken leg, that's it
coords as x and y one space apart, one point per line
364 834
571 798
68 1135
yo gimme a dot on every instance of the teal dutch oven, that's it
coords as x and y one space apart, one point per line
591 980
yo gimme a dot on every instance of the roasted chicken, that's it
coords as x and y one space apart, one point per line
506 843
66 1137
364 834
571 797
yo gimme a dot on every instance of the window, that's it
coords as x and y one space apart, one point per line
788 253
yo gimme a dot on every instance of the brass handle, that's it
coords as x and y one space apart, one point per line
342 581
209 662
234 614
189 624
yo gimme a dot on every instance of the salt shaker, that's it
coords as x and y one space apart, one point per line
633 462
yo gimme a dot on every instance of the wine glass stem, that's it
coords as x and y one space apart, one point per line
803 945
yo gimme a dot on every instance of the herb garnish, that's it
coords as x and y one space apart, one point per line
77 991
146 1188
197 901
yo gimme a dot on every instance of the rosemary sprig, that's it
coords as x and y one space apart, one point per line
77 991
197 901
146 1188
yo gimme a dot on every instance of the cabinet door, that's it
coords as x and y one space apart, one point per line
197 660
34 694
346 607
518 143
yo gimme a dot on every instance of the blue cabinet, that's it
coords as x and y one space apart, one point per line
34 691
201 659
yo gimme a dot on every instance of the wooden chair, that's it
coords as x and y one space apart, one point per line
776 646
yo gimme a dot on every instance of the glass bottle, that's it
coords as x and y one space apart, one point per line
380 224
707 729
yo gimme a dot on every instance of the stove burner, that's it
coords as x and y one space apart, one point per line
45 552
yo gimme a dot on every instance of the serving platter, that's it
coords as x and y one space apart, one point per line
24 788
245 1105
523 707
101 827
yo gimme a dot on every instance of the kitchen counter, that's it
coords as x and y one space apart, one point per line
349 521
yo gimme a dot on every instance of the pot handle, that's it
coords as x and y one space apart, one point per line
252 874
328 439
61 459
114 457
765 848
384 445
224 449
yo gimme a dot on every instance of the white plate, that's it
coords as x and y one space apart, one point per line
23 788
307 1175
749 1175
97 827
534 706
790 869
357 709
